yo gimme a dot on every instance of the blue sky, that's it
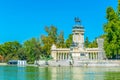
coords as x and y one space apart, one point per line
21 20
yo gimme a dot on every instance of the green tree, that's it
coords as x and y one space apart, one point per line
87 42
48 40
52 33
32 50
118 9
93 44
21 54
69 41
60 40
112 33
9 50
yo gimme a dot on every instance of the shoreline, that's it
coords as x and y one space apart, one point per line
68 63
3 64
84 63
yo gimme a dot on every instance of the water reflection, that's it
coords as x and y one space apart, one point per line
112 76
59 73
75 73
14 73
78 73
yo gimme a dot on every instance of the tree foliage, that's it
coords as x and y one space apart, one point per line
32 50
8 50
49 39
87 42
112 32
60 40
69 41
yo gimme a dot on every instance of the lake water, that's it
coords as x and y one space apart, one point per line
59 73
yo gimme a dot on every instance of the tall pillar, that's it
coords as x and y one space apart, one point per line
89 55
65 56
62 56
58 56
92 55
96 55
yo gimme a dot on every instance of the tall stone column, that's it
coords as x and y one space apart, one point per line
90 56
96 55
53 51
57 56
63 56
66 56
60 56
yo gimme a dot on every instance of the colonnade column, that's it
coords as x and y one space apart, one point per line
93 55
96 55
61 56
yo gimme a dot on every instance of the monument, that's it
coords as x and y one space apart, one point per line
77 51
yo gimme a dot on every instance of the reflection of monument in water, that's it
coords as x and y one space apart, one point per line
65 73
77 51
73 73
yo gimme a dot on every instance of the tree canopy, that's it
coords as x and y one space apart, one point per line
112 32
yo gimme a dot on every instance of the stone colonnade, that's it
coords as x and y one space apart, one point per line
93 55
62 56
86 55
